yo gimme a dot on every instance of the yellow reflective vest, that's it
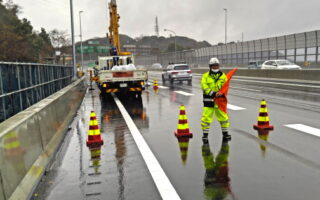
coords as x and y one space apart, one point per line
210 83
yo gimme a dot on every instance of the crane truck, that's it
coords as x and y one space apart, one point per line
116 72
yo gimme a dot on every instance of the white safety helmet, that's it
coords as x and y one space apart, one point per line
214 61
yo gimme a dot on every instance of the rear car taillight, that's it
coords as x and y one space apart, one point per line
189 71
174 72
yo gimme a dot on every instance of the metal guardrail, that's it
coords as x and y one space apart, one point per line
24 84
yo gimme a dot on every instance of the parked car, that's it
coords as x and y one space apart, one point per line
177 72
279 64
156 66
255 64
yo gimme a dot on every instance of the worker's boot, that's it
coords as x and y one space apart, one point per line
226 136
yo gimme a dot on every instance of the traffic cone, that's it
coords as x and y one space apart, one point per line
94 136
155 85
183 127
263 119
183 145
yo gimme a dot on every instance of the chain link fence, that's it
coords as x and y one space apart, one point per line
301 48
23 84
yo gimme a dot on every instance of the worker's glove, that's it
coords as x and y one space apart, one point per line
219 94
212 94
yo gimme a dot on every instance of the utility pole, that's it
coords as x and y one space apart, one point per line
81 40
72 39
157 27
226 16
175 44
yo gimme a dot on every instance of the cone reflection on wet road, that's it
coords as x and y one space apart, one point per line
183 145
263 135
216 179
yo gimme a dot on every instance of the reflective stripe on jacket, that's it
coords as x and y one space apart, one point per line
211 82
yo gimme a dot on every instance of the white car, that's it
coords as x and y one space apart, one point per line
279 64
177 72
156 66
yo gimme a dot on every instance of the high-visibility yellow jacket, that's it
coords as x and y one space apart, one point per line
210 84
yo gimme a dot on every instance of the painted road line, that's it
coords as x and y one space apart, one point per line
245 89
305 128
233 107
184 93
161 180
162 87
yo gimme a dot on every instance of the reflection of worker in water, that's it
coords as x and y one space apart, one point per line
216 180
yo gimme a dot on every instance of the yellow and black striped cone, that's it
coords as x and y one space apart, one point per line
155 85
94 136
263 119
183 127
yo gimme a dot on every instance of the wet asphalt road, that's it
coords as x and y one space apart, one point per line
280 164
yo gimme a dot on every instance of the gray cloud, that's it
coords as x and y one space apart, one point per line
198 19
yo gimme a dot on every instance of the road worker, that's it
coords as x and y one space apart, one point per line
211 83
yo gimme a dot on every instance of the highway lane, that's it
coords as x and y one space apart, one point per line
281 164
284 154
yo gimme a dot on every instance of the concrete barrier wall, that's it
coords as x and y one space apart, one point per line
307 75
29 139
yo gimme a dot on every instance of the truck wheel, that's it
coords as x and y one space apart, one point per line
190 82
163 80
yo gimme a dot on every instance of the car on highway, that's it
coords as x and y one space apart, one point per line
255 64
156 66
177 72
279 64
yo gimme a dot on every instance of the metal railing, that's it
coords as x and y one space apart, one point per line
302 48
24 84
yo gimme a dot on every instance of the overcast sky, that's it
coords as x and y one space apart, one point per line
197 19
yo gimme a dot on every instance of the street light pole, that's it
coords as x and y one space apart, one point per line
81 40
72 39
175 43
226 16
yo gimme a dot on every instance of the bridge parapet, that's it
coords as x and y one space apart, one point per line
29 139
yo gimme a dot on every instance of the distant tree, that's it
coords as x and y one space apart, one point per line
59 39
171 47
18 41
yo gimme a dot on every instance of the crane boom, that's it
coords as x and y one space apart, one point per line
113 36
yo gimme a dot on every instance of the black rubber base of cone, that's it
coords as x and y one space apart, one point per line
189 135
256 127
94 144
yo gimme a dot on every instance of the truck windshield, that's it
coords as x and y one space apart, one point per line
181 67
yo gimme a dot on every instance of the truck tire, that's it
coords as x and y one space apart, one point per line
190 82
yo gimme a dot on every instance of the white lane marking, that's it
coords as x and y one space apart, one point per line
184 93
233 107
305 128
245 89
162 182
162 87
